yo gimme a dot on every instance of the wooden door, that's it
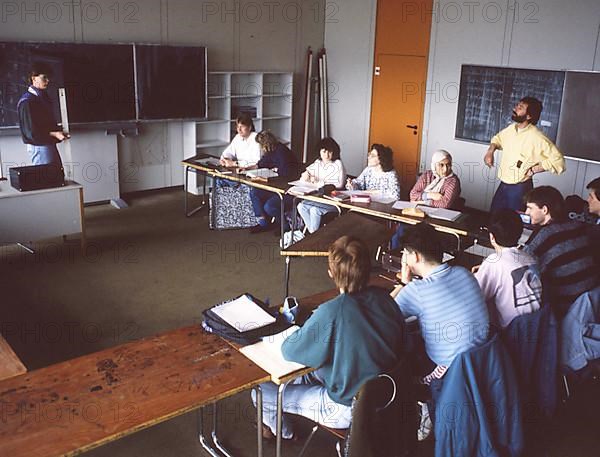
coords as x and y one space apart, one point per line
399 81
397 112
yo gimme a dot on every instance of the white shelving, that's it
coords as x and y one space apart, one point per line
266 95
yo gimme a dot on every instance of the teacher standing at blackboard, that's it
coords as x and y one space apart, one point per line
36 120
525 152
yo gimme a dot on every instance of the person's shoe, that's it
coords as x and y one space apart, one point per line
268 435
258 228
425 426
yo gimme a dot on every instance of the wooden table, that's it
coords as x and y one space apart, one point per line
316 244
36 214
10 365
77 405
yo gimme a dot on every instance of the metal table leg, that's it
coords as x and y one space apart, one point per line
203 440
280 390
259 421
185 192
215 438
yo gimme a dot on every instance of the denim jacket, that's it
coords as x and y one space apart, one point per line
581 331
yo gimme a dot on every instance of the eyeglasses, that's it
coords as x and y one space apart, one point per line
43 77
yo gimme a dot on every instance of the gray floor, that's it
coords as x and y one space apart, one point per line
149 269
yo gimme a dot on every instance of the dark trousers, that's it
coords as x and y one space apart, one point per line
510 196
268 205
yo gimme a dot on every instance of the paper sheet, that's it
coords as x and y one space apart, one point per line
267 354
243 314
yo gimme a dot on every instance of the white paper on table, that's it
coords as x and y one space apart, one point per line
267 354
299 182
300 190
382 199
440 213
400 204
243 314
261 173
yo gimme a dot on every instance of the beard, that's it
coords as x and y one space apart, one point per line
517 118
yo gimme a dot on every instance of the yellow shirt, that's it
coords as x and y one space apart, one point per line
529 146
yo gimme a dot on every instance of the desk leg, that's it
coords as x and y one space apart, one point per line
259 421
82 222
282 220
287 276
215 438
203 440
280 390
185 193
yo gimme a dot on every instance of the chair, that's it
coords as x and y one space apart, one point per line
532 343
384 418
477 410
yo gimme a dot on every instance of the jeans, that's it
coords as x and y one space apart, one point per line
42 155
306 396
312 212
268 205
510 196
397 236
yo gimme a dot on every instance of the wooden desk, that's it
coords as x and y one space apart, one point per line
36 214
77 405
10 365
317 244
275 185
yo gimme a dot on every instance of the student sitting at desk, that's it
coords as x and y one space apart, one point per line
243 151
509 278
267 204
438 187
379 174
349 339
446 300
328 169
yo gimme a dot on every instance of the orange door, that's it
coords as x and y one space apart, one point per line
397 111
398 97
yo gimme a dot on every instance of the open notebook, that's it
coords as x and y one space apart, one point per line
438 213
267 355
243 314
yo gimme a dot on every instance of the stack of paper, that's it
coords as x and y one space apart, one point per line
267 354
438 213
243 314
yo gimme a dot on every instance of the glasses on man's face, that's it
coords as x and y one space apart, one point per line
43 77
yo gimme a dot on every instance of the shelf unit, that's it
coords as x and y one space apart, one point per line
266 95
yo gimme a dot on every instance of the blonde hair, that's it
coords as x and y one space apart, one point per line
349 264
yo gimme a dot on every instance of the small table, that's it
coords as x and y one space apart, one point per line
37 214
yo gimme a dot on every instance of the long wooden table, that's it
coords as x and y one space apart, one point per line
77 405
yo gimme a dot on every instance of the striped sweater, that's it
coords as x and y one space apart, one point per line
565 257
450 190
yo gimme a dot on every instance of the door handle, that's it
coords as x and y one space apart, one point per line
414 127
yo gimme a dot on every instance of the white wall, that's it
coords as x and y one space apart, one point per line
349 41
547 34
239 35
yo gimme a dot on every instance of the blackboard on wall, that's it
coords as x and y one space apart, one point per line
488 95
579 130
98 79
171 82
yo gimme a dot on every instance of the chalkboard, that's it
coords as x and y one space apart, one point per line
488 95
579 130
171 82
98 79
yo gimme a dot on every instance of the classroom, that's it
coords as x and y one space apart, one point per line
142 268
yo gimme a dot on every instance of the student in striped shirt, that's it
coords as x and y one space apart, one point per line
563 249
446 300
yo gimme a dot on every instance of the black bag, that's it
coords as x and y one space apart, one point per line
231 208
34 177
212 323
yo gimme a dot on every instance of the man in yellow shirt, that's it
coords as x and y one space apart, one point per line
525 152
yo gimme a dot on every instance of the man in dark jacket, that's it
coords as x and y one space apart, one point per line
38 127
